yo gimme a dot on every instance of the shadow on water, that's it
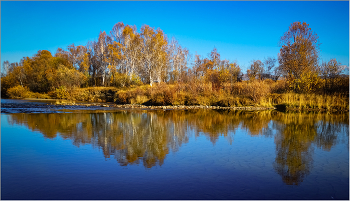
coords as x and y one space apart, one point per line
146 137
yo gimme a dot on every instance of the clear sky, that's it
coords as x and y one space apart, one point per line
240 30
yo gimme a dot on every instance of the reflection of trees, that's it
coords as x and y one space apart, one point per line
130 137
294 153
257 123
295 134
148 136
211 124
330 129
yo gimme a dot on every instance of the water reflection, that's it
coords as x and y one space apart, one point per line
148 136
293 144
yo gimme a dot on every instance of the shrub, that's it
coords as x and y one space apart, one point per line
191 99
280 86
140 99
246 101
162 94
123 80
269 82
61 93
38 95
81 94
204 100
136 80
18 92
179 98
122 97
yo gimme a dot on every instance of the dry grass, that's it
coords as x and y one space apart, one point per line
247 93
310 101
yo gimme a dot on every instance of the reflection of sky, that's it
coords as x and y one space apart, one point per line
336 165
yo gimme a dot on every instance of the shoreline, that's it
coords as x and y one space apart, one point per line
169 107
111 105
186 107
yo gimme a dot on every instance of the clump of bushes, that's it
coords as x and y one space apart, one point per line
95 94
61 93
18 92
280 86
39 95
122 97
161 94
123 80
140 99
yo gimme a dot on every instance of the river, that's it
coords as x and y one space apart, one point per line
74 153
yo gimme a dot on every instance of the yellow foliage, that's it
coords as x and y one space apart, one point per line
18 92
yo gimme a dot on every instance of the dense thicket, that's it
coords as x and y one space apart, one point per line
127 57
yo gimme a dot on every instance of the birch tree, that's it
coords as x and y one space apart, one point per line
160 55
101 52
178 57
147 52
132 50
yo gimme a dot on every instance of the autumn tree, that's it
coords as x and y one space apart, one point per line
83 60
154 54
298 57
199 67
330 71
215 58
62 57
132 50
97 53
161 58
234 72
147 34
36 69
117 32
67 77
73 55
114 58
178 60
14 77
93 64
102 51
271 70
215 71
256 69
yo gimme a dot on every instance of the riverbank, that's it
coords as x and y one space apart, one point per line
241 96
176 107
281 107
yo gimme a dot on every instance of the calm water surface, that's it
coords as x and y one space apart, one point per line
200 154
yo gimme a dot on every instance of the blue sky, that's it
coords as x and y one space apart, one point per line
241 31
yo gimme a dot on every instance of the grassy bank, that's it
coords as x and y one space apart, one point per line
240 94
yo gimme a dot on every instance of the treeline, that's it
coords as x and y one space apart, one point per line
126 58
